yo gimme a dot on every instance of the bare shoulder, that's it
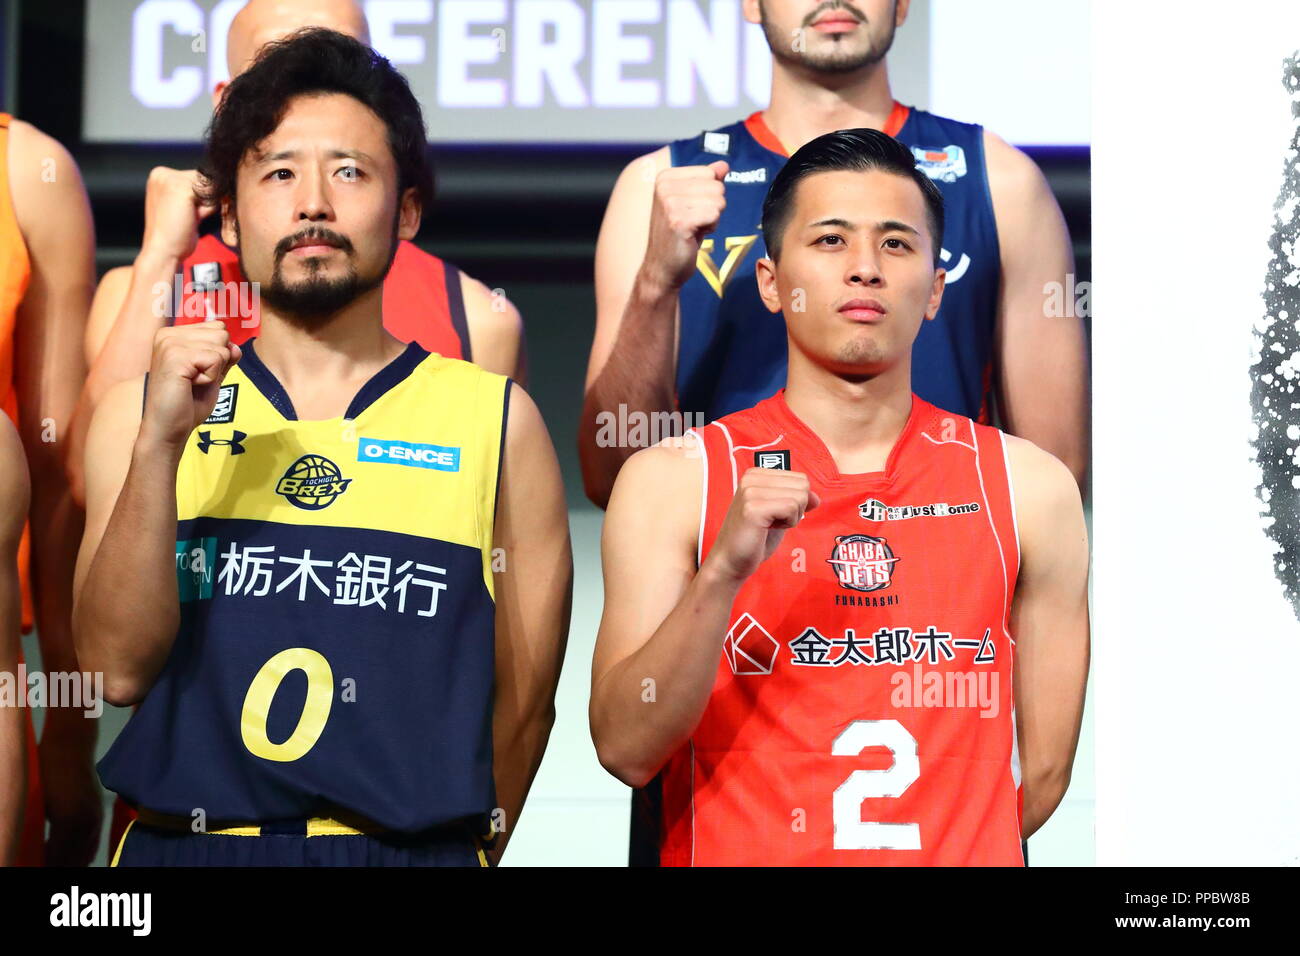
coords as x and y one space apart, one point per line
1049 511
38 165
645 168
1013 176
488 309
670 470
114 282
27 142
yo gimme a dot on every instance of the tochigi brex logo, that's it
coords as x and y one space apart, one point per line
862 563
312 483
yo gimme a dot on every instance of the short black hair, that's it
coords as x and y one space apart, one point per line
854 150
307 62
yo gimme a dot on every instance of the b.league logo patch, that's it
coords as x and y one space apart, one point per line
223 413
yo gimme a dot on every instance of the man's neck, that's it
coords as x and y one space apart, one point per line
323 366
805 105
859 421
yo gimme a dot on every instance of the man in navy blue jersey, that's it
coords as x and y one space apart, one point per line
680 326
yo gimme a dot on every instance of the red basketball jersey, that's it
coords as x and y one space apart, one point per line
422 297
862 712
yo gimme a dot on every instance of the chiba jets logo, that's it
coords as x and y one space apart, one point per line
862 563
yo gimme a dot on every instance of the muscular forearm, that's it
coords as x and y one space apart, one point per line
1042 791
57 526
13 782
127 613
638 375
126 349
517 752
649 704
144 311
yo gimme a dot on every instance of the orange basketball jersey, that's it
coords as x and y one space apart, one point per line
422 297
862 712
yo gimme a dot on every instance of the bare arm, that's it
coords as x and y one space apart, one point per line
534 592
651 234
1042 358
54 215
1049 621
127 605
664 623
14 491
129 308
496 330
127 608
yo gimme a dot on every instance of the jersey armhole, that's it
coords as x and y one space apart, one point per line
456 309
988 194
501 450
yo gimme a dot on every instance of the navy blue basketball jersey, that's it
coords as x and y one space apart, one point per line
732 351
334 579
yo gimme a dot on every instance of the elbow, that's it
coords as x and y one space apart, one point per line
628 772
121 688
620 760
122 692
1048 782
597 482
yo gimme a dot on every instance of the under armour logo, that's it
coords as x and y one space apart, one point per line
206 441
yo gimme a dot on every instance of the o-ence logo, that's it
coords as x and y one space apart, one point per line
312 483
410 454
873 510
862 563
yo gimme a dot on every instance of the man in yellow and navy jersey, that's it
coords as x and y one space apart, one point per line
332 569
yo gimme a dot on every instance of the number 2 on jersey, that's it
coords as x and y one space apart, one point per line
851 831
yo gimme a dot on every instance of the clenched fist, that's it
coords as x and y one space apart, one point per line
189 363
688 202
768 503
173 211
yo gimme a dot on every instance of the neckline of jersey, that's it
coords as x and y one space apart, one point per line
763 135
822 462
378 385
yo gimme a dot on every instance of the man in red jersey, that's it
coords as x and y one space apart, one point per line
844 626
426 299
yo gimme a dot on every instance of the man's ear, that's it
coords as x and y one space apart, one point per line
765 269
900 12
229 224
408 216
936 293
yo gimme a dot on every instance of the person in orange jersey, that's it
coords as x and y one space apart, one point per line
47 245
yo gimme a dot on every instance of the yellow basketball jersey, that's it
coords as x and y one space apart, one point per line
337 618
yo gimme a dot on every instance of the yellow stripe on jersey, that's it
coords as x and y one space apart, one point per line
421 459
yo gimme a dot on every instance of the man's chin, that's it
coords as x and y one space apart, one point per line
311 304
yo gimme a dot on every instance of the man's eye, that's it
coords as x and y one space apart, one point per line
831 240
276 174
897 243
350 173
